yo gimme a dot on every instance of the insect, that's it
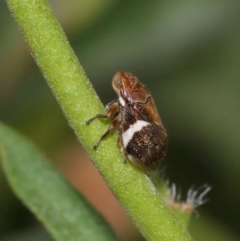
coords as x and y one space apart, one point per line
142 136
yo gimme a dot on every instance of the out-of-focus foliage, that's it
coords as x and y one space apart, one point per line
64 212
186 53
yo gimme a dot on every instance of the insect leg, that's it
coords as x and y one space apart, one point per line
112 125
123 150
111 108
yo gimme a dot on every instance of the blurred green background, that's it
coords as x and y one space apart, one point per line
186 52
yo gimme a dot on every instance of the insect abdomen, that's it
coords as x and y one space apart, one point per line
147 147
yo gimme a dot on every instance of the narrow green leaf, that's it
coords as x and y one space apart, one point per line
64 212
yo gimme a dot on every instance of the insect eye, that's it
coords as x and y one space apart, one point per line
117 82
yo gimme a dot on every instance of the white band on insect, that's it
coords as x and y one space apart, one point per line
128 134
122 101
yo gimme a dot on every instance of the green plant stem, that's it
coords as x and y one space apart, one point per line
79 102
183 216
